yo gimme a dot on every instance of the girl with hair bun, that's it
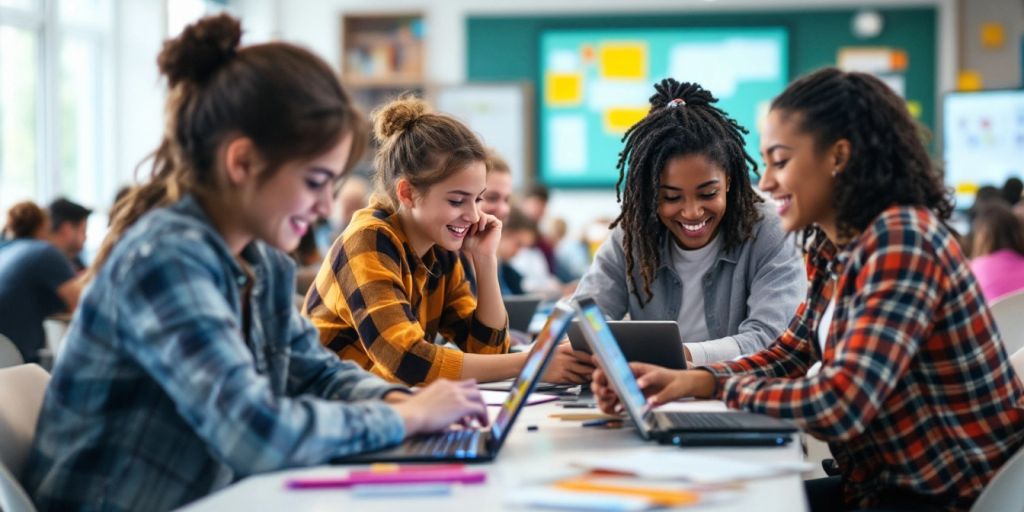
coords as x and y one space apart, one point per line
694 243
915 394
394 281
187 366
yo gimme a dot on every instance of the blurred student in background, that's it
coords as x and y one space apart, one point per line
694 242
36 279
998 252
68 222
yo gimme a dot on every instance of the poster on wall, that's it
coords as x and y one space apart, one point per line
596 84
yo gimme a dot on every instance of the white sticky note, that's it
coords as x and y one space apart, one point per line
567 148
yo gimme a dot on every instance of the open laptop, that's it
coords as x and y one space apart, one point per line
520 309
647 341
481 444
707 428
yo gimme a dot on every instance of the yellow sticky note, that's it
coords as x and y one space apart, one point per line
564 89
969 80
993 35
914 107
618 120
966 188
623 61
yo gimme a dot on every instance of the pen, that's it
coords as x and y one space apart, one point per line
578 405
601 423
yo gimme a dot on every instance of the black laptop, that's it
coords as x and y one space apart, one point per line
647 341
481 444
697 428
520 309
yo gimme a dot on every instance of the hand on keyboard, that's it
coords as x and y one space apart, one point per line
444 402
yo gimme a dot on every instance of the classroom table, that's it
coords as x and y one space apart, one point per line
538 449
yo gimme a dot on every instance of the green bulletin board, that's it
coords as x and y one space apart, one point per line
596 84
508 47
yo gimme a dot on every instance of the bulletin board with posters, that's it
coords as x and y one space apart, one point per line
596 84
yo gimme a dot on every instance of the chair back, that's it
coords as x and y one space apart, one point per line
9 353
1009 314
13 497
1004 493
21 398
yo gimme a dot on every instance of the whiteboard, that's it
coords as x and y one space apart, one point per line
499 113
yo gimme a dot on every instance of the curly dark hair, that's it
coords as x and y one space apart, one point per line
682 121
888 164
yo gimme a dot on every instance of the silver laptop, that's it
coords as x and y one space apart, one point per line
520 310
699 428
481 444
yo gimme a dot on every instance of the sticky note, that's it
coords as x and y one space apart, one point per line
914 107
623 61
969 80
993 35
564 89
618 120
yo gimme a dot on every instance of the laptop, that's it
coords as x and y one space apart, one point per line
520 309
647 341
694 428
481 444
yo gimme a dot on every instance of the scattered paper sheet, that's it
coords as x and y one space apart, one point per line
689 467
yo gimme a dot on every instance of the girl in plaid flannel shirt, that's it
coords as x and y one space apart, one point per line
914 394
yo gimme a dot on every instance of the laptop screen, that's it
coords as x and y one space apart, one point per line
607 351
548 338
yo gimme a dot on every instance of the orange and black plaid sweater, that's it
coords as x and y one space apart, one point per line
375 302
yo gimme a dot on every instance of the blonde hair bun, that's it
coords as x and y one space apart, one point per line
393 118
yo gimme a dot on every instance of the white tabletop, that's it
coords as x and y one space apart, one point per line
528 458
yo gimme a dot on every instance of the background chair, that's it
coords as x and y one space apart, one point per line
1017 362
9 353
1009 314
1004 493
21 397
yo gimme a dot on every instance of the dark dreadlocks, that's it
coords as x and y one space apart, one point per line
692 126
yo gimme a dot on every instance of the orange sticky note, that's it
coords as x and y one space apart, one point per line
993 35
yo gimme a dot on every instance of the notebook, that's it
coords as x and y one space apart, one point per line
481 444
707 428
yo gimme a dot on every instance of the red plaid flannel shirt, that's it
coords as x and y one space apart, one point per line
915 391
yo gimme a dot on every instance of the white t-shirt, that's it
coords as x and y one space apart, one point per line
823 325
691 266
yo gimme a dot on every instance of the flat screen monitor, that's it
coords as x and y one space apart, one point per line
983 140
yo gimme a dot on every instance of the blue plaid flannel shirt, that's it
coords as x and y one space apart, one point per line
158 399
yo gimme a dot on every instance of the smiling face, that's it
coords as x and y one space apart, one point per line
797 175
281 209
499 193
442 214
691 199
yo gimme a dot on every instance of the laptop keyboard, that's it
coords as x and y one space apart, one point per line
461 444
704 420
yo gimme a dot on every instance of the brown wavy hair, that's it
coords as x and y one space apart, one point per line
25 220
284 98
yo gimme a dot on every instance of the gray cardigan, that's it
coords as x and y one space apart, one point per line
750 293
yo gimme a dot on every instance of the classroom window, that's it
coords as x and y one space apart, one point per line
55 107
